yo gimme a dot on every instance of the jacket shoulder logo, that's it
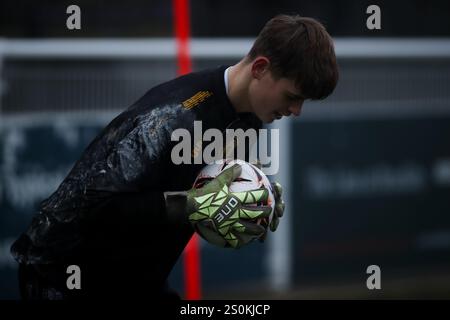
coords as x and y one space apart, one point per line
196 99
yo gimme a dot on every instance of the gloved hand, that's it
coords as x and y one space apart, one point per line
279 206
227 218
278 210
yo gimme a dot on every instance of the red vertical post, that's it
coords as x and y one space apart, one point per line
191 255
182 35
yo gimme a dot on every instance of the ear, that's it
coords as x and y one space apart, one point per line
260 66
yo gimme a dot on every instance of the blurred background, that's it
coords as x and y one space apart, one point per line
366 172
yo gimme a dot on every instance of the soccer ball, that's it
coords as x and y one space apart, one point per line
251 178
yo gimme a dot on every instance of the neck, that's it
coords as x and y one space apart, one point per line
238 83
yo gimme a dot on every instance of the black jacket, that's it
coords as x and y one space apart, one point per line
110 209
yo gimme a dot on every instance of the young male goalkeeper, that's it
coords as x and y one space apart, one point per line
110 216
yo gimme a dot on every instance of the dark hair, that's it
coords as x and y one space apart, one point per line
299 49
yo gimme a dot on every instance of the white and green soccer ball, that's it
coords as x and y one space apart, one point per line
251 178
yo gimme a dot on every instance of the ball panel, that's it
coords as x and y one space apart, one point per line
251 178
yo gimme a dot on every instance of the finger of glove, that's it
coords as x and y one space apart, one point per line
207 231
229 175
274 223
263 237
232 240
244 238
279 208
248 227
253 196
224 178
254 212
277 190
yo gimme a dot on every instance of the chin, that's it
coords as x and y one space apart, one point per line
265 118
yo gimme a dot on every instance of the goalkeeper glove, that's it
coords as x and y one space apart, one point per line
224 218
279 206
278 211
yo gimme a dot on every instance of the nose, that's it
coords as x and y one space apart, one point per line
296 108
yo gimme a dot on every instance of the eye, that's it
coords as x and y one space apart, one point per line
292 98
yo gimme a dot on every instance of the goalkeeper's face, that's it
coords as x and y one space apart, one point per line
272 98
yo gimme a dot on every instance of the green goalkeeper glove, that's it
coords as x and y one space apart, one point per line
278 211
279 206
224 218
